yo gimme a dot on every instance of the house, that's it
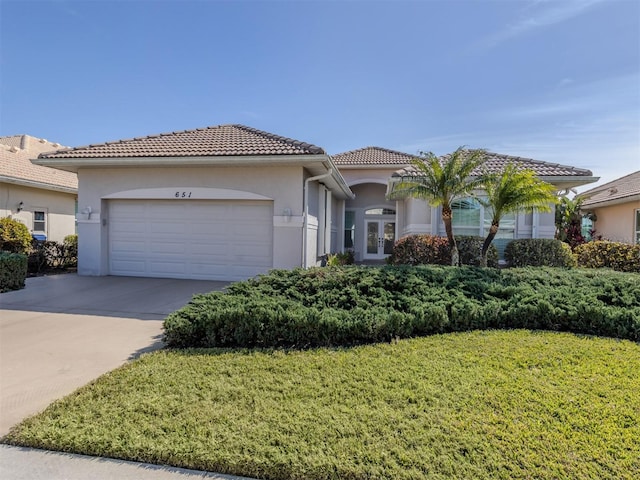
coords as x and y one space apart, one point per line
616 206
229 202
470 217
42 198
373 223
370 219
225 202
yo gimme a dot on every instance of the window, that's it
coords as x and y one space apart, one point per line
349 228
470 218
507 227
39 221
637 227
380 211
466 216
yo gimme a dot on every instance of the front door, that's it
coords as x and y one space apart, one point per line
381 235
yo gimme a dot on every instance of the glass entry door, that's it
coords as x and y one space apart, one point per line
381 235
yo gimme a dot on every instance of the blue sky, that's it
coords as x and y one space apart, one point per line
557 81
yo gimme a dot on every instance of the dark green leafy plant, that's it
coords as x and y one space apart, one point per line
539 252
345 306
13 271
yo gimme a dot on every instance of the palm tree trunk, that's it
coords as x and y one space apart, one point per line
487 242
446 218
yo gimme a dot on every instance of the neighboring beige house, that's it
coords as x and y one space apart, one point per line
616 206
42 198
229 202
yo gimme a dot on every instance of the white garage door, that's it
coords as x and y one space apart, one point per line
200 239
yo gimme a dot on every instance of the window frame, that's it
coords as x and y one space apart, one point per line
37 221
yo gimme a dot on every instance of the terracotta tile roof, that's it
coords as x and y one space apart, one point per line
372 156
496 162
16 153
221 140
627 186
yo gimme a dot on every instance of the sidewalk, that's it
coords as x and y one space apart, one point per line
18 463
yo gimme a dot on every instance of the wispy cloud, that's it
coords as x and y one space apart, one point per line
539 15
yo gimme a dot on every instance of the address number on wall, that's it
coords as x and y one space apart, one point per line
183 195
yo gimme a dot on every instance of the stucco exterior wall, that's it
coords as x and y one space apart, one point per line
276 183
617 222
59 209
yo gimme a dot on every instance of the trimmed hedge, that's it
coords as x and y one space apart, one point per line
14 236
434 250
539 252
13 271
601 254
355 305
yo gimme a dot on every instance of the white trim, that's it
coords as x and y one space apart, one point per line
360 181
190 193
40 185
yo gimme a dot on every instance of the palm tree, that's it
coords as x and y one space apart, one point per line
513 191
440 181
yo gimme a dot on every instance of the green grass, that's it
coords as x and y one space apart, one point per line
481 405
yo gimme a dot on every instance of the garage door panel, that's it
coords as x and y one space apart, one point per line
222 240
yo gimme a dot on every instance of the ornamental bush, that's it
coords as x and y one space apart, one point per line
343 306
539 252
434 250
13 271
50 255
602 254
14 236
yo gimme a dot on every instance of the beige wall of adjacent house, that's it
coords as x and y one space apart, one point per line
284 185
617 222
59 208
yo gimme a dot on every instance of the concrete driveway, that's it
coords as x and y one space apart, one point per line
63 331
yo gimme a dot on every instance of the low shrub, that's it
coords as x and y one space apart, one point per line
14 236
13 271
340 259
470 251
50 255
434 250
539 252
602 254
345 306
71 250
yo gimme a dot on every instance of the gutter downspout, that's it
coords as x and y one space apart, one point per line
305 212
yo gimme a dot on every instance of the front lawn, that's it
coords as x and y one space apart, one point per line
481 405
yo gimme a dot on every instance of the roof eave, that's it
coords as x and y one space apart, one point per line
40 185
612 202
384 166
73 164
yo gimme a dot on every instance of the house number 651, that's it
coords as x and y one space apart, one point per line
183 194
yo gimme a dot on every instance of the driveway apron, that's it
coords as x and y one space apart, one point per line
63 331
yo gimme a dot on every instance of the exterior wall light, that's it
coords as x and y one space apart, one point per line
20 206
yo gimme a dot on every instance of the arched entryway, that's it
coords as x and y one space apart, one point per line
370 222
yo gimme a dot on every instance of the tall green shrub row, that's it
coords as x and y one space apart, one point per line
13 271
355 305
434 250
618 256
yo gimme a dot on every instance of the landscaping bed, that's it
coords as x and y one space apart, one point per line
483 405
346 306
